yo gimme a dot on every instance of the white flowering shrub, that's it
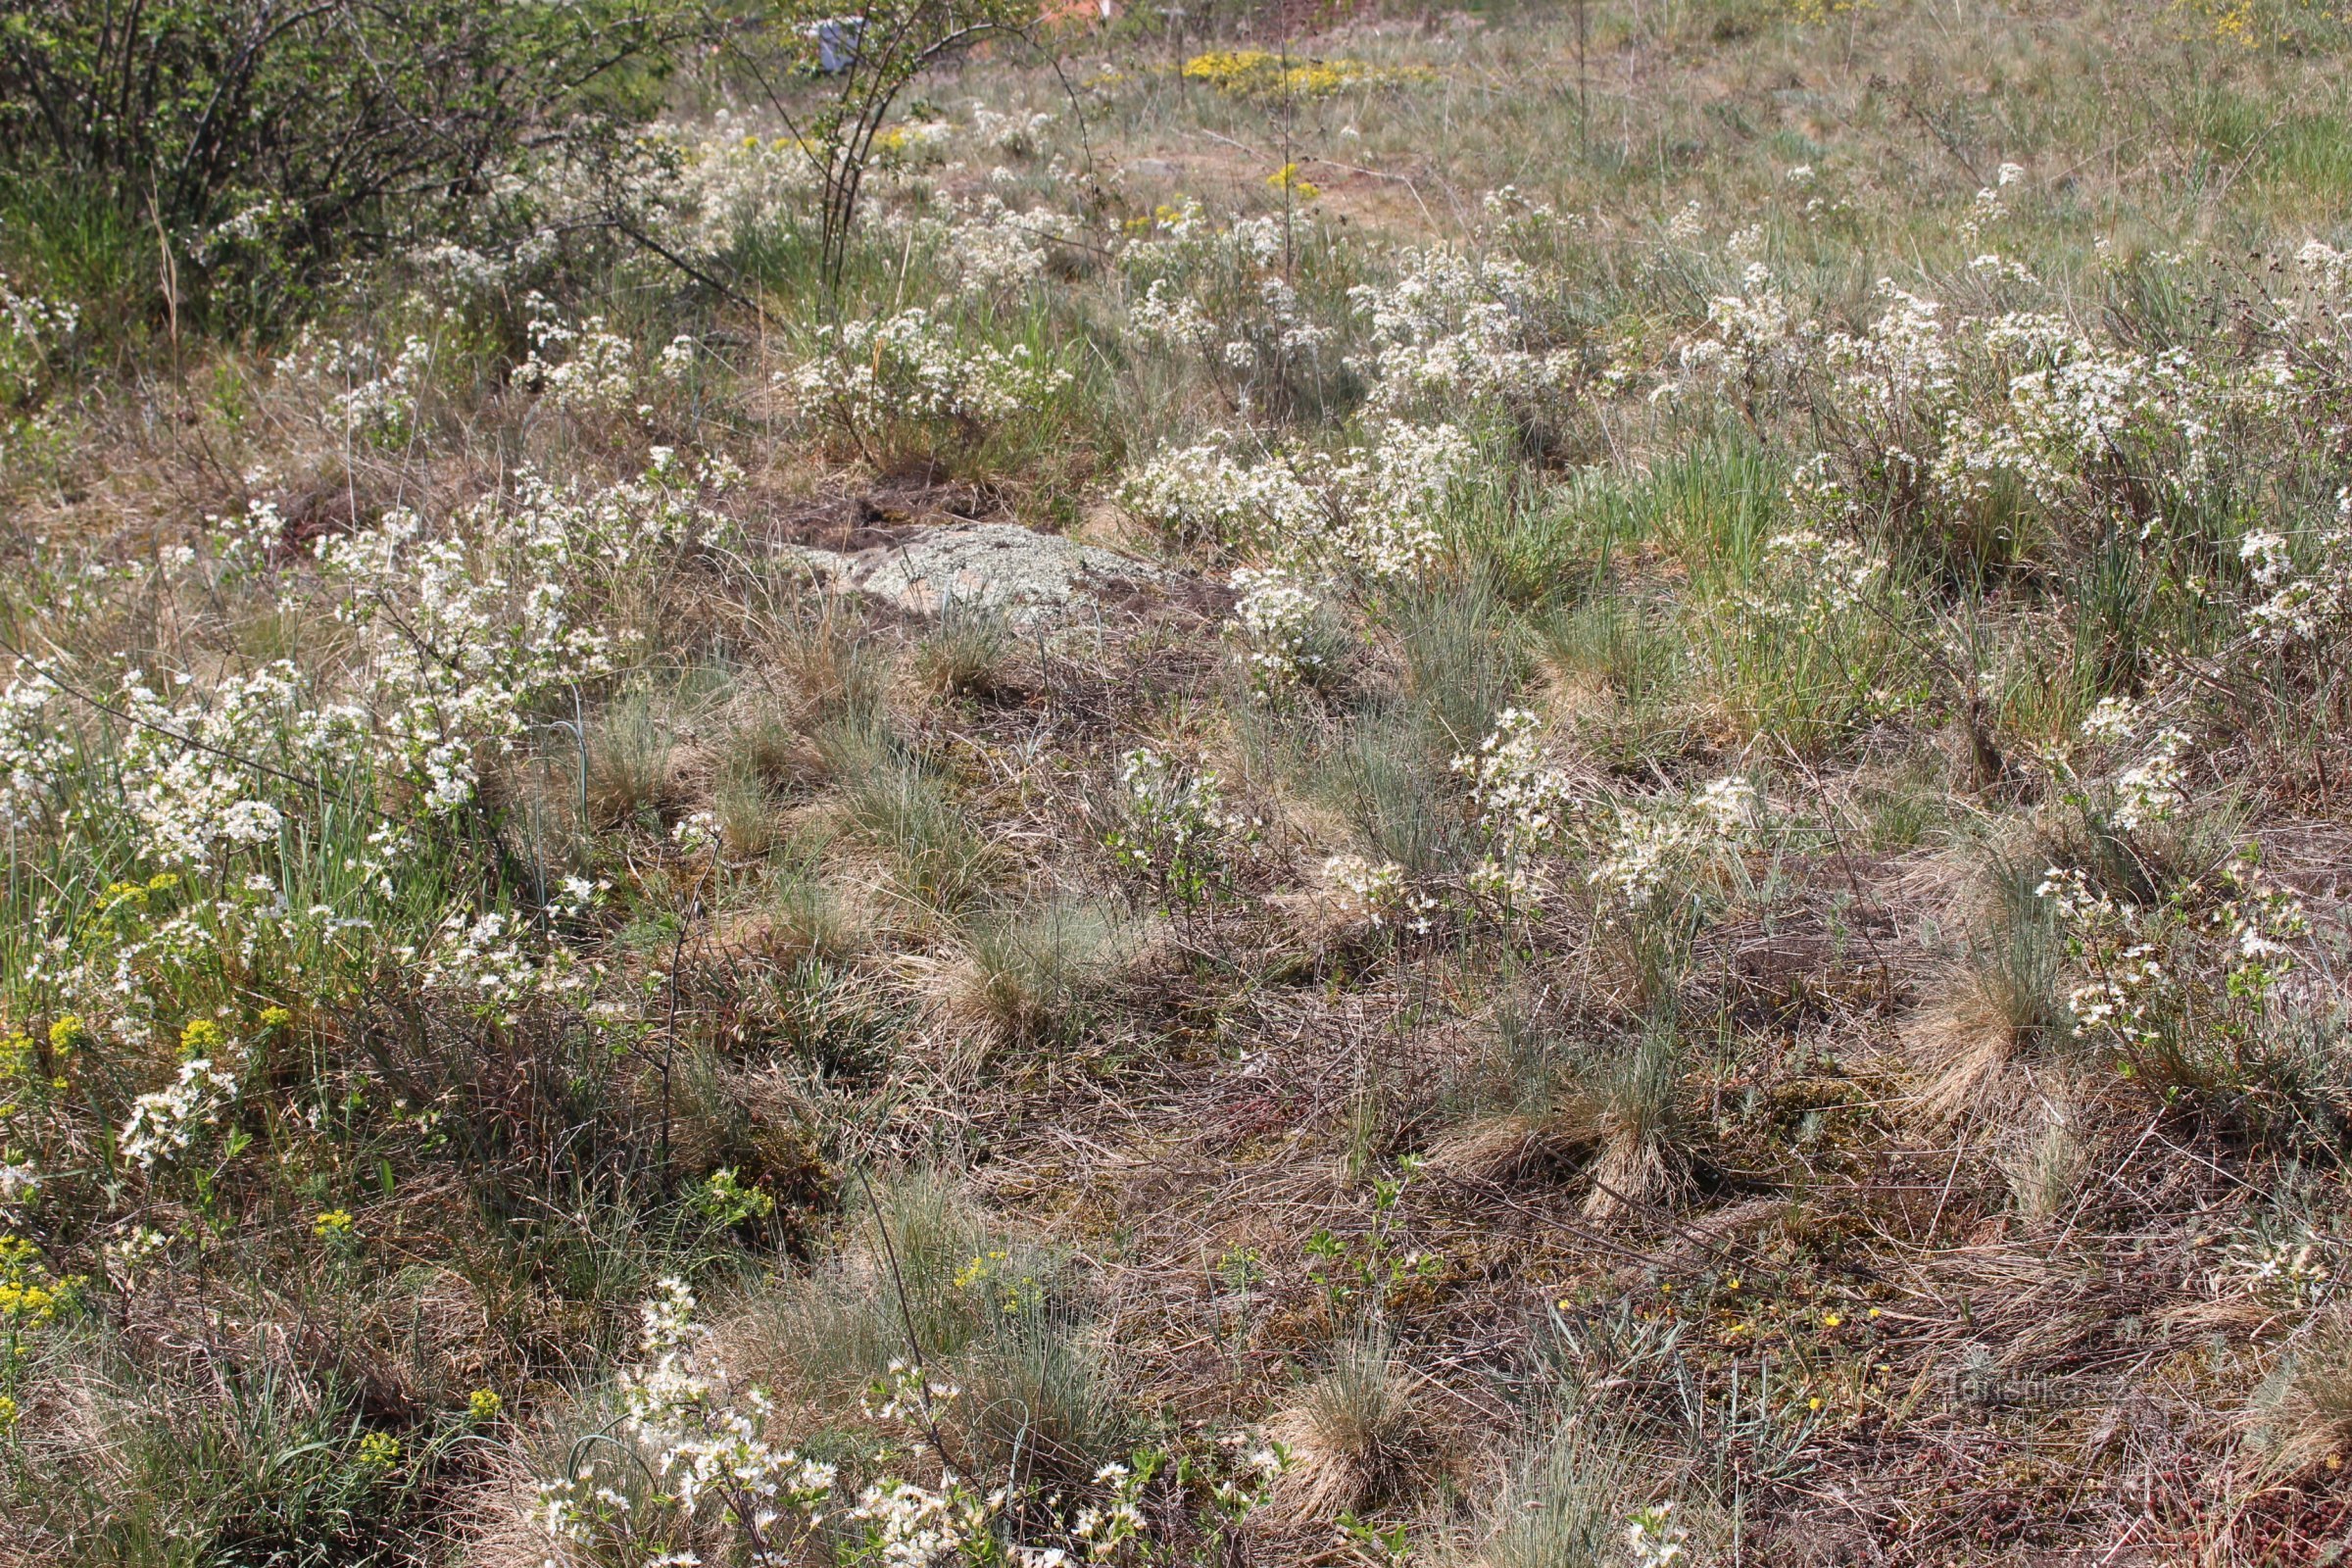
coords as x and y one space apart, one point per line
1381 894
1018 132
1990 436
1279 624
1754 341
1176 833
699 1471
2183 992
496 965
2139 780
1257 306
167 1122
584 368
1375 515
34 332
466 626
710 193
877 380
371 397
723 1484
1453 331
36 749
995 250
1656 846
1524 809
1653 1541
1638 852
2304 584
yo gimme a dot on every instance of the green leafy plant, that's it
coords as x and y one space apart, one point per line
261 138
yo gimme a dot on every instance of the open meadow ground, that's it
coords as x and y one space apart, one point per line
1300 785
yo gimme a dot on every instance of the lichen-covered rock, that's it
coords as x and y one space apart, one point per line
999 567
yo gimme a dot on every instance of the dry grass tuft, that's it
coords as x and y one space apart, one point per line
1514 1147
2303 1415
1355 1432
1639 1164
1025 971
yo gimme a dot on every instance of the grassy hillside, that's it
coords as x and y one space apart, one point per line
1686 902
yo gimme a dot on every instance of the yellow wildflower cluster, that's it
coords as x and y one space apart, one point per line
1259 73
379 1450
1288 178
482 1405
30 1295
2226 20
134 897
22 1073
993 1269
333 1225
17 1058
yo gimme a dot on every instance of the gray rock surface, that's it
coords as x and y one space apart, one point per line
999 567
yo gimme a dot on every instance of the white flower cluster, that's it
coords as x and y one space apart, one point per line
1652 1539
1953 408
911 366
1656 843
1018 132
1451 328
461 269
31 331
379 403
1106 1528
128 1256
1379 893
1228 295
597 371
1897 380
2078 405
496 965
2301 604
2110 721
464 629
1524 808
1809 581
35 752
1754 337
1373 515
994 249
1516 219
1276 619
1164 316
1175 828
187 764
1989 207
696 832
701 193
2160 978
2150 791
166 1123
708 1447
1178 808
912 1526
